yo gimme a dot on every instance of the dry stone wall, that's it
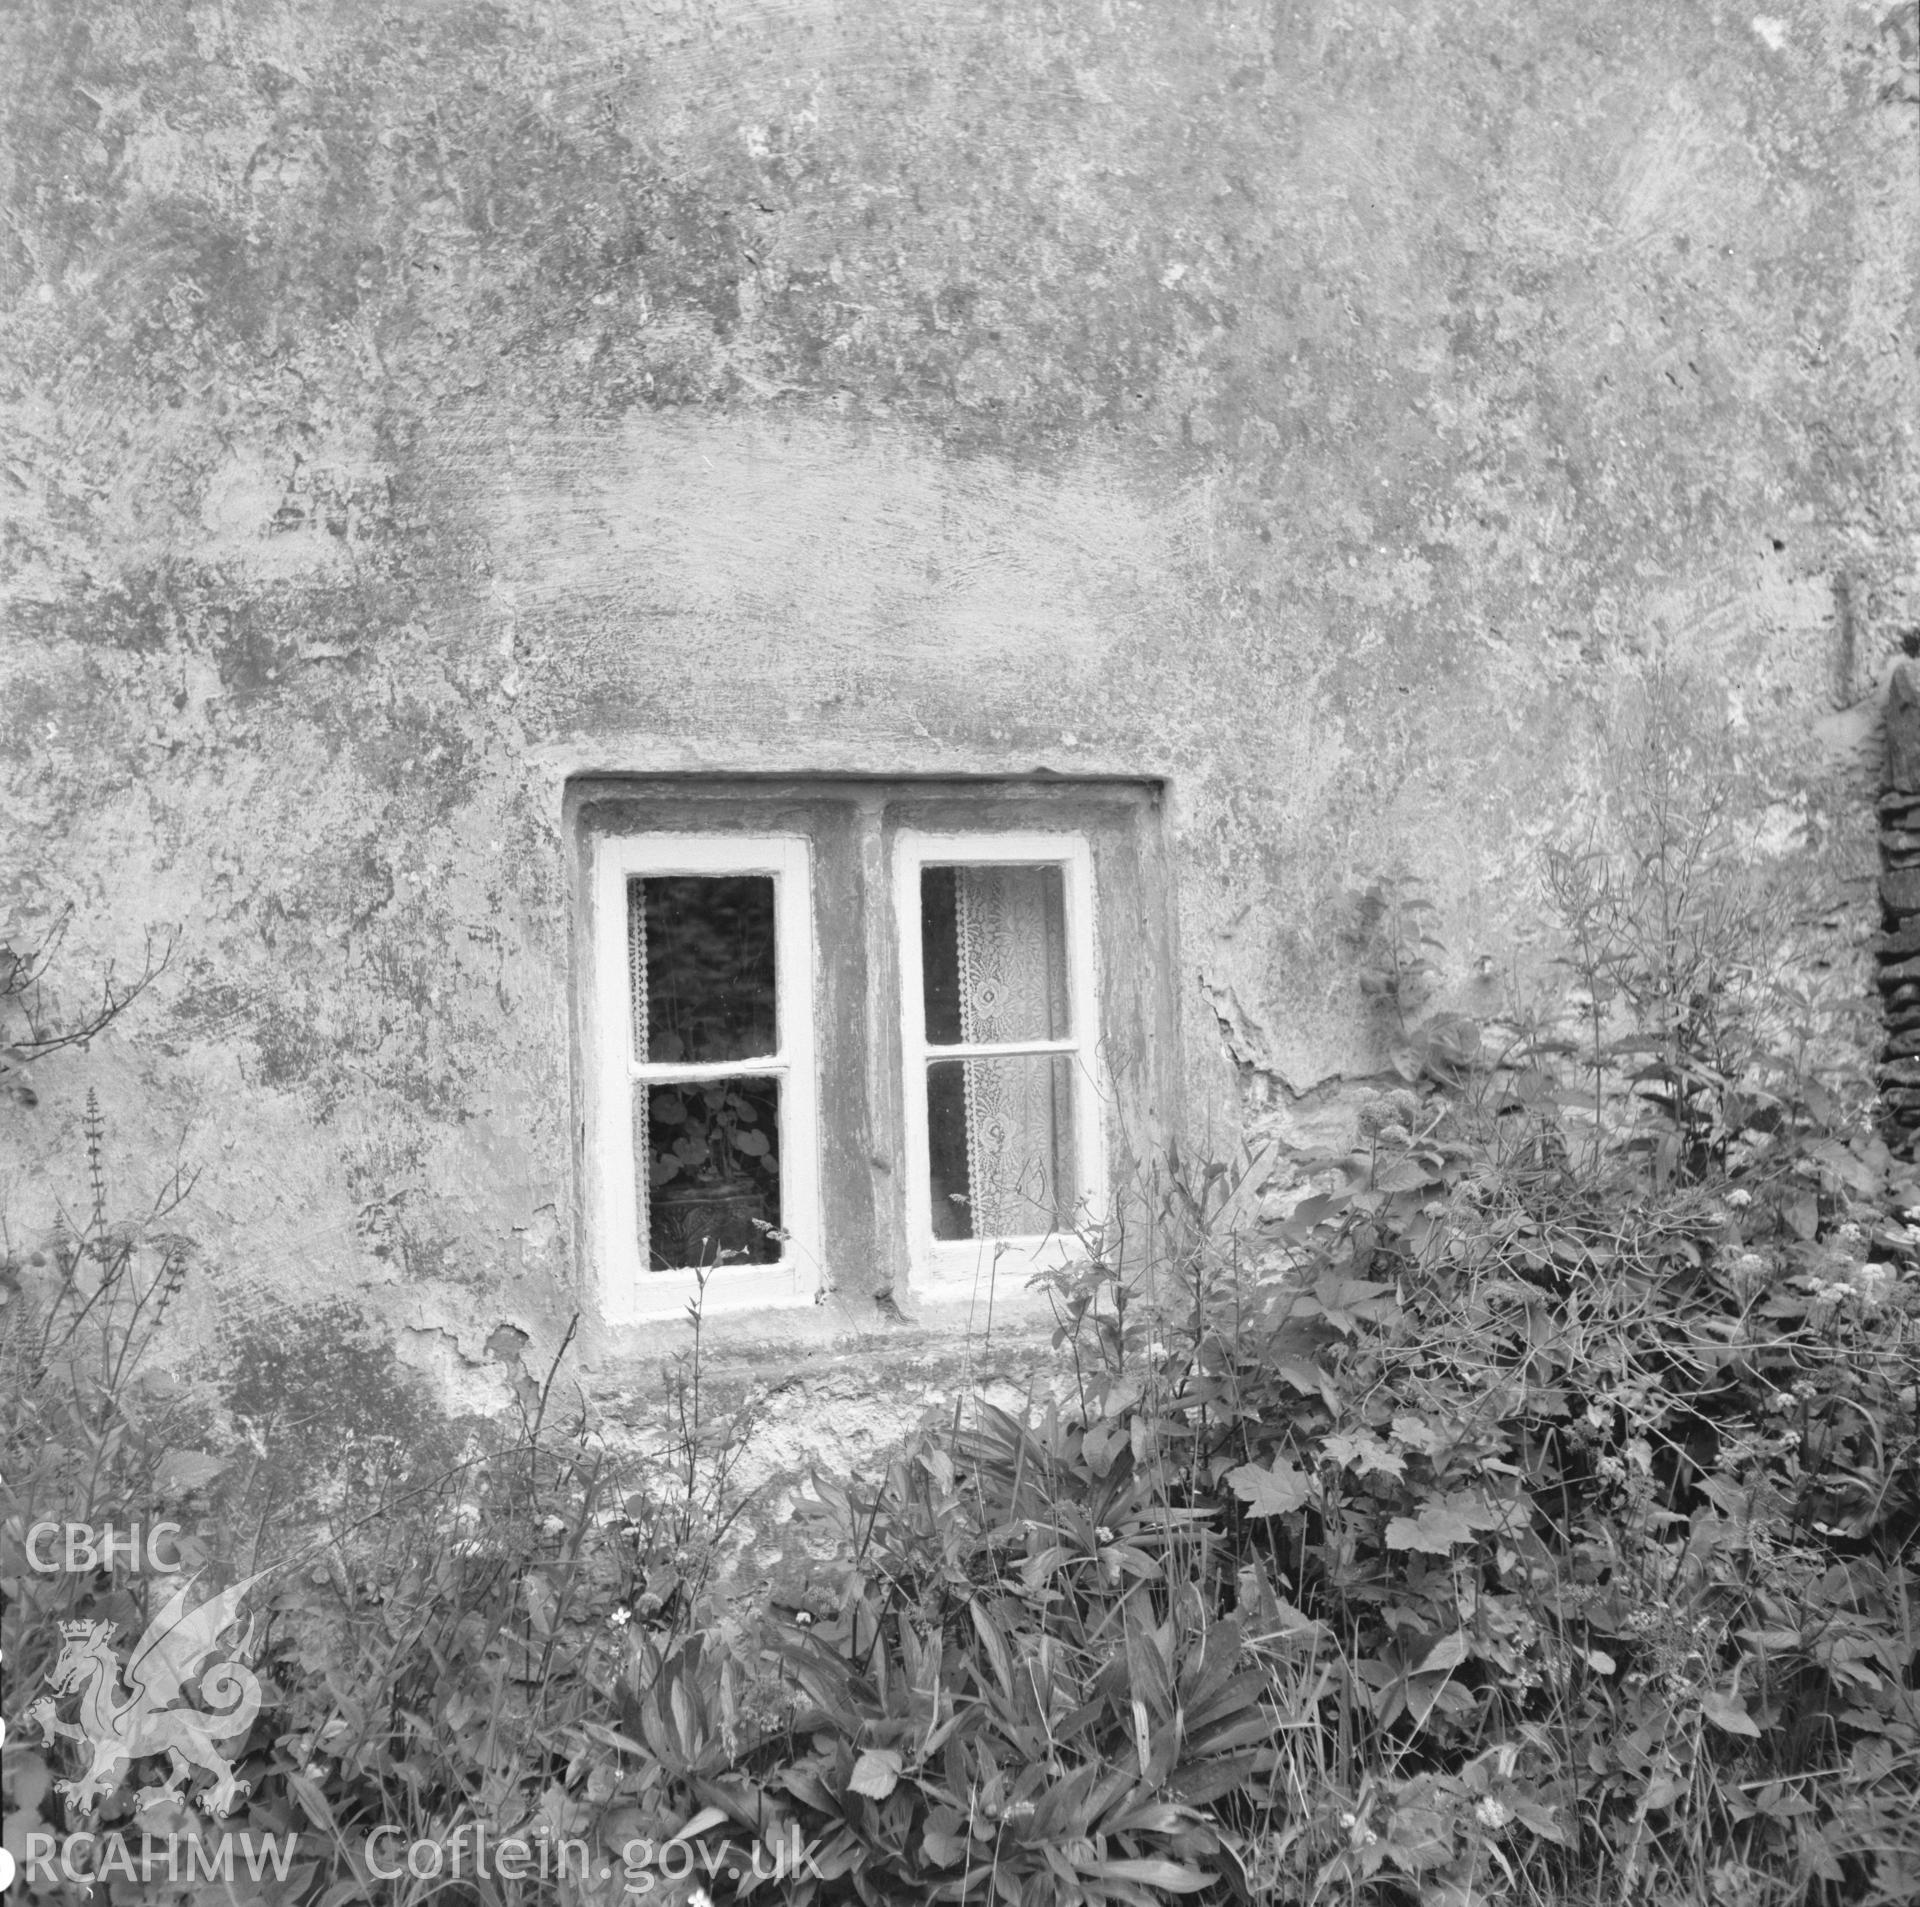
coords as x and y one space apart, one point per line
1899 975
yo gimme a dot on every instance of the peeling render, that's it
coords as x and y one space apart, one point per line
1322 409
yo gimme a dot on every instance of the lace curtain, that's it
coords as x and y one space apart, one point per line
1010 927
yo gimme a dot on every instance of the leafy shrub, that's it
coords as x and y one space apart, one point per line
1527 1514
1523 1511
446 1646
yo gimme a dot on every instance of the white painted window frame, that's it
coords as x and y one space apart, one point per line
948 1267
630 1293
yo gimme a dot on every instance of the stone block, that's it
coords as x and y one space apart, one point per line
1903 728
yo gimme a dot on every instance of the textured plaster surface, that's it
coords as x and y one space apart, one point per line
1328 407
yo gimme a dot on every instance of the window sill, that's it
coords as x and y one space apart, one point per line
933 1321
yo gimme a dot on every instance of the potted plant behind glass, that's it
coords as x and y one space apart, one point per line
713 1146
716 1180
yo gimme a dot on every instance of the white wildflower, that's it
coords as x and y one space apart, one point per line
1739 1198
1492 1813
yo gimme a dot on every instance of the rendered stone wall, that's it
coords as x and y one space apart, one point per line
1330 408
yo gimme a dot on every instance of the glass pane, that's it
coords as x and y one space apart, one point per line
1000 1146
702 967
706 1158
993 948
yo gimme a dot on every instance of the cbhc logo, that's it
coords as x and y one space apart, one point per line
82 1546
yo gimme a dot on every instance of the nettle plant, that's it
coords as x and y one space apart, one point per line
1705 1013
89 1433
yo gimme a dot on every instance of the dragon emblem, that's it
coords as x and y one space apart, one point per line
152 1718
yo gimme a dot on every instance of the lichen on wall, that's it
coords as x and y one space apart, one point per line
1327 407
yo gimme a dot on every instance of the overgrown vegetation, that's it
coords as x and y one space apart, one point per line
1522 1510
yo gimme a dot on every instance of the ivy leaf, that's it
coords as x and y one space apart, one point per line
1416 1433
1271 1492
876 1773
1439 1526
1361 1452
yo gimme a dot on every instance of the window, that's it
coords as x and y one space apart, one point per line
706 1000
1002 1114
841 1036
